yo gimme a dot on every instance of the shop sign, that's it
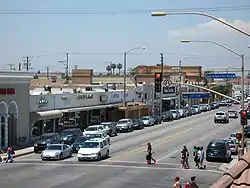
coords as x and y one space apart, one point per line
85 96
116 95
169 90
103 98
42 102
7 91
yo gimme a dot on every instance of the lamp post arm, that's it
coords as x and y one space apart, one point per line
212 17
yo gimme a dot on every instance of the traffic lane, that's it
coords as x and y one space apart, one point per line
95 176
129 141
168 140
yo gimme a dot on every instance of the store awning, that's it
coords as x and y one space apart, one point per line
49 114
169 98
89 108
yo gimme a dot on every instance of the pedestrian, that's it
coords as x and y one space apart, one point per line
9 154
196 157
149 154
201 157
193 182
177 183
1 152
186 155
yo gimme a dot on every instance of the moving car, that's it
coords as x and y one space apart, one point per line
225 103
176 114
232 114
218 150
233 145
147 121
157 119
78 143
45 140
56 152
138 123
94 129
99 135
247 131
68 136
93 149
125 125
221 116
110 128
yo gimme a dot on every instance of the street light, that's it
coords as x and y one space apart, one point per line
200 14
125 71
242 72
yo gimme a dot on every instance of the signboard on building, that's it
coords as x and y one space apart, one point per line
196 95
221 76
84 96
168 89
42 102
103 98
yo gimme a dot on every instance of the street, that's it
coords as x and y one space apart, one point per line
126 166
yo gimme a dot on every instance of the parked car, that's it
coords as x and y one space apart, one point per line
157 119
110 128
208 107
182 112
247 131
233 145
197 108
99 135
221 116
93 149
125 125
68 136
94 129
45 140
167 116
193 111
57 152
232 113
148 121
203 108
78 143
138 123
176 114
214 105
218 150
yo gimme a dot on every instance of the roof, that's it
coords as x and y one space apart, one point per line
237 176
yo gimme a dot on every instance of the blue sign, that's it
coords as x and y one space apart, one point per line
229 75
196 95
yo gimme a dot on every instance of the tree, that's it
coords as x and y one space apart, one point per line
133 71
119 66
224 89
113 66
108 68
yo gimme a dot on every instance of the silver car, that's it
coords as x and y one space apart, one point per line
56 152
176 114
124 125
221 116
148 121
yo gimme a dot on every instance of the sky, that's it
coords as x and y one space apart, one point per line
97 38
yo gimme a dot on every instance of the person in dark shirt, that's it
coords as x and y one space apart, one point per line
149 154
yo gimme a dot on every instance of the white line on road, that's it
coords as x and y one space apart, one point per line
122 166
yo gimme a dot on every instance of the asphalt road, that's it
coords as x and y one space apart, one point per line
126 167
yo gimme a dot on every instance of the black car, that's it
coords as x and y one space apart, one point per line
78 143
138 124
218 150
68 136
45 140
157 119
247 131
167 116
110 127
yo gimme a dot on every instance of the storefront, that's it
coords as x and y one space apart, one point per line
169 98
14 108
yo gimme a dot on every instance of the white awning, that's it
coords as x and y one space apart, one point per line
89 108
49 114
169 98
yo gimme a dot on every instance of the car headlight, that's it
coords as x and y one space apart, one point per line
48 144
57 153
35 144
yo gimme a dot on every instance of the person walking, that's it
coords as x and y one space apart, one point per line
177 183
201 157
149 154
193 182
196 157
9 154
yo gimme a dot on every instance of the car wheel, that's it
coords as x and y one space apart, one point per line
208 159
215 121
35 151
79 159
61 156
115 133
107 154
99 157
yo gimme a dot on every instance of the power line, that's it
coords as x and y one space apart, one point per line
108 12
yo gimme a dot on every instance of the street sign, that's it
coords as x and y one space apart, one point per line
196 95
167 82
226 75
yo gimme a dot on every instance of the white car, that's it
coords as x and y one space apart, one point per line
93 129
56 152
148 121
93 149
99 135
125 125
221 116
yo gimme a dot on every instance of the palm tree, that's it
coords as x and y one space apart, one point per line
113 66
108 68
119 66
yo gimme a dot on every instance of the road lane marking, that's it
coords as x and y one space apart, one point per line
123 166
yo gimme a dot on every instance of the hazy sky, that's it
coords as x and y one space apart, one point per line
122 29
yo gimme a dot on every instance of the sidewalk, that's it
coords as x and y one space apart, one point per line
20 152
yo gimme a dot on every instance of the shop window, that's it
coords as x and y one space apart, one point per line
48 126
2 131
37 128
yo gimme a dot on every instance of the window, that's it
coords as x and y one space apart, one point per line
90 145
105 143
92 129
64 147
55 147
101 145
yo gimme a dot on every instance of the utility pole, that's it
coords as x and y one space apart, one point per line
66 64
47 72
180 93
27 63
11 66
162 77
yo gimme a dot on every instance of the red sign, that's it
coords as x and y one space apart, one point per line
7 91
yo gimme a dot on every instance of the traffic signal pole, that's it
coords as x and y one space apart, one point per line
242 104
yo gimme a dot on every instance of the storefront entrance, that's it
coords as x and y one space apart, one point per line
4 124
12 123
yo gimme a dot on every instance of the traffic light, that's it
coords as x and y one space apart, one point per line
158 79
243 117
238 136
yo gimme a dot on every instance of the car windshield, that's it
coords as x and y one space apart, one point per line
233 135
196 106
54 147
45 137
106 125
122 121
217 145
220 113
145 118
247 128
231 112
91 145
81 139
66 133
92 129
230 141
173 111
95 135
